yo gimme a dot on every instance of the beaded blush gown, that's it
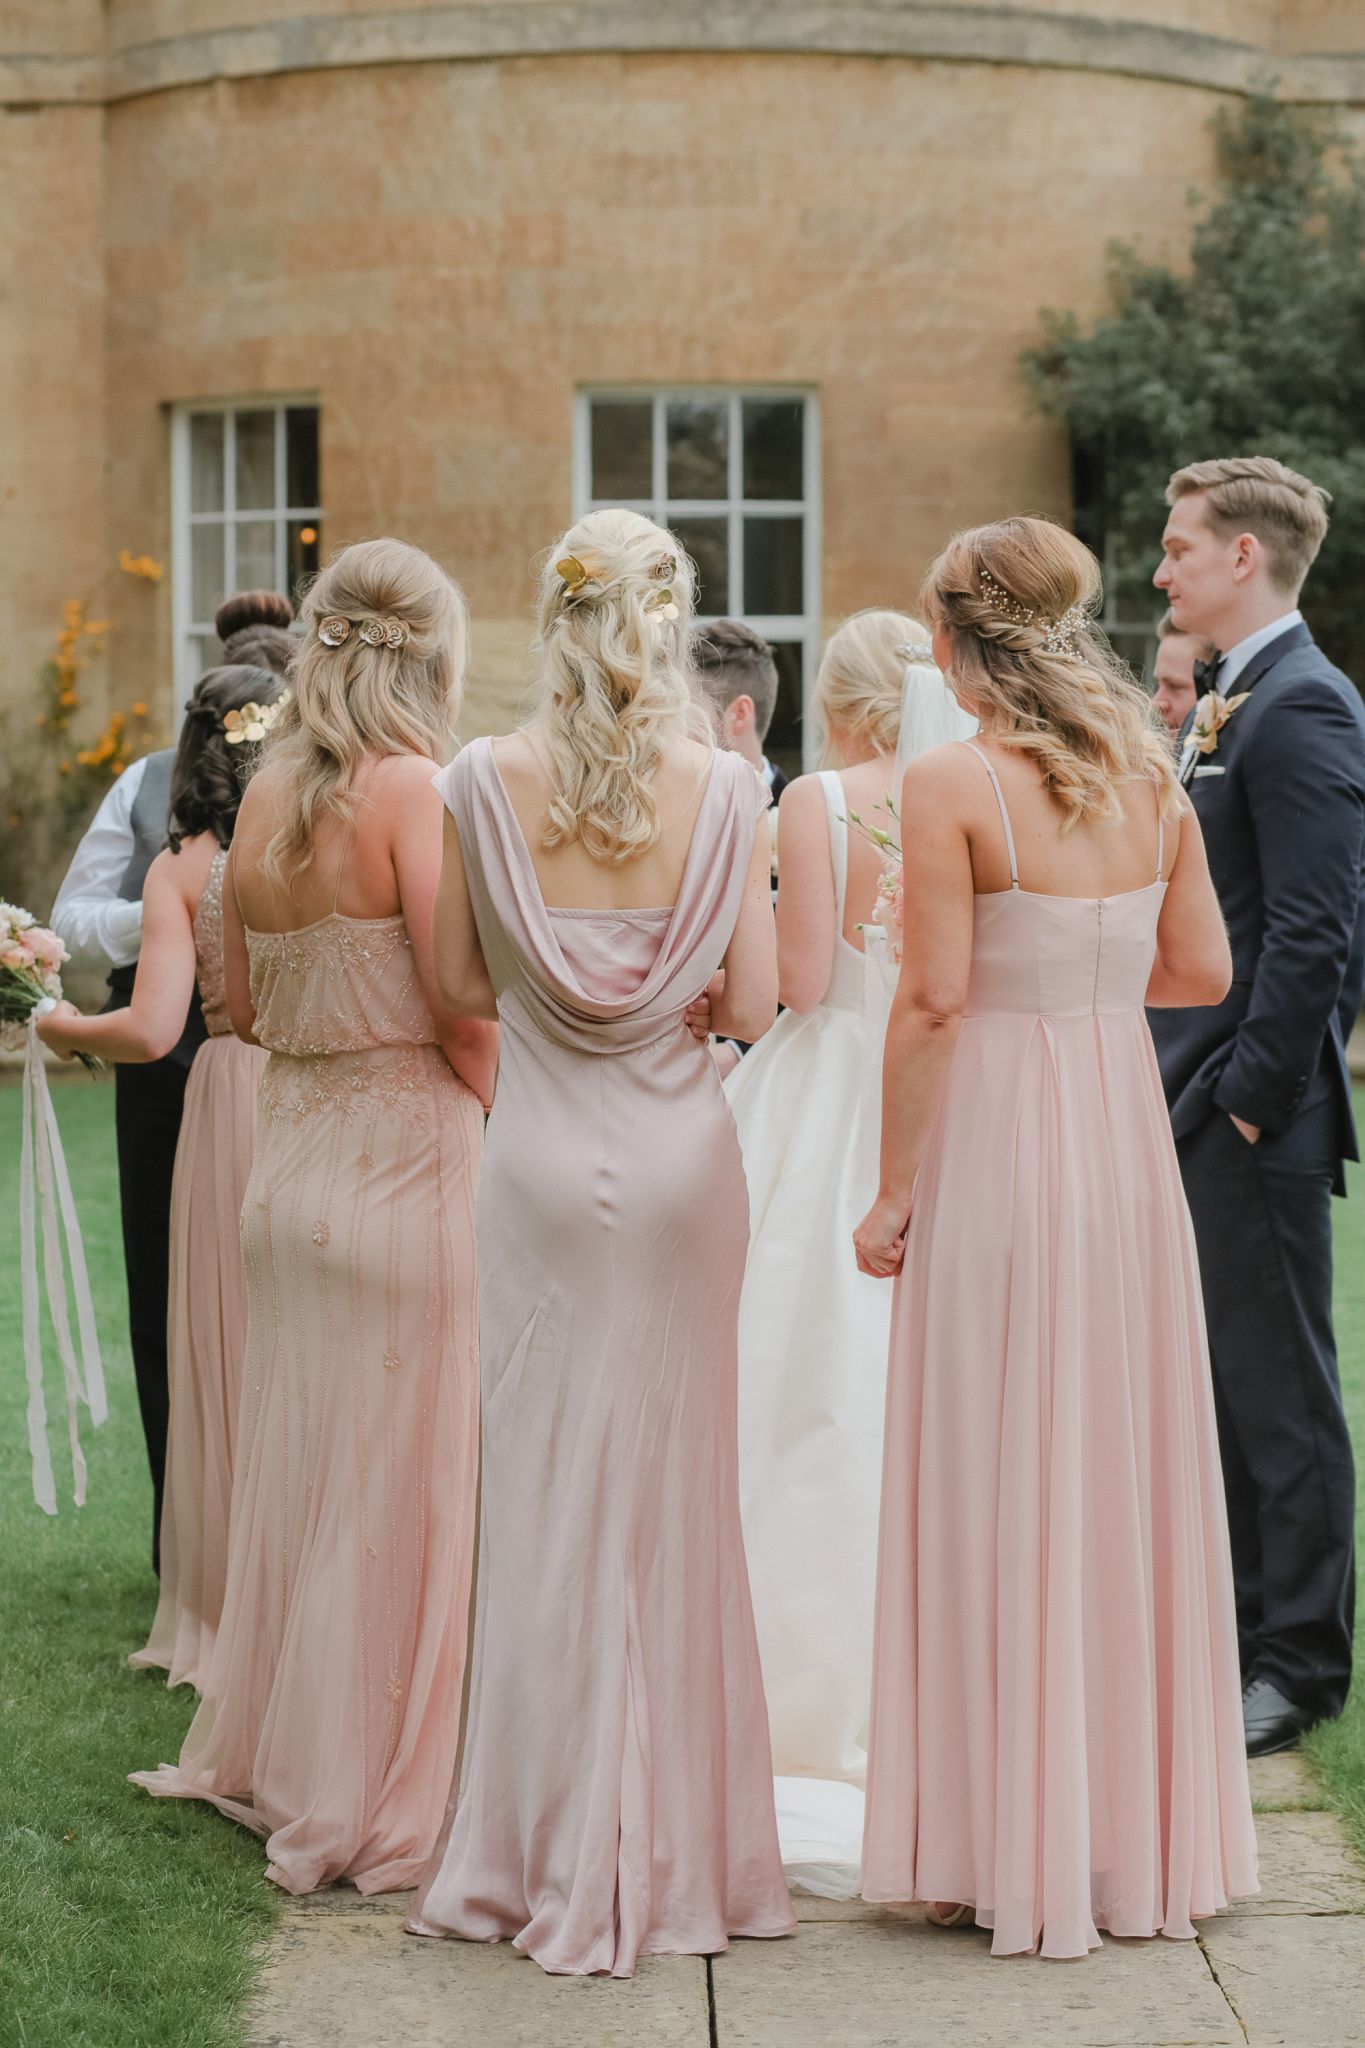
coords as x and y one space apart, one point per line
615 1796
207 1332
1056 1698
331 1707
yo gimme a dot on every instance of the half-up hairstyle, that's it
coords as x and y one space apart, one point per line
379 671
210 771
1018 600
613 623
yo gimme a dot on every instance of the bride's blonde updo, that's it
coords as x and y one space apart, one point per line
1018 600
379 671
613 620
858 689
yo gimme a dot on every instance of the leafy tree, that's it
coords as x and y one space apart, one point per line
1257 348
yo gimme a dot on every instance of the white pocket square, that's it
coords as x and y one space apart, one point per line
1209 771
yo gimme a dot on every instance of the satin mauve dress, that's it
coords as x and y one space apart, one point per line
615 1796
1056 1699
331 1709
207 1330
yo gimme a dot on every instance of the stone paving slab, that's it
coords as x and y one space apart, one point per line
879 1985
1296 1983
1283 1783
1306 1866
344 1975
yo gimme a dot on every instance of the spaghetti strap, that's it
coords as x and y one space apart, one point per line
1160 840
836 808
1004 814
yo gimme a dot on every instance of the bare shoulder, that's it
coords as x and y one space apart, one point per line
950 774
399 780
803 801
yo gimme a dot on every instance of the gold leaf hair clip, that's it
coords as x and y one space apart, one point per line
250 725
573 575
663 605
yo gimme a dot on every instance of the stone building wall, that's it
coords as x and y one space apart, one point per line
444 220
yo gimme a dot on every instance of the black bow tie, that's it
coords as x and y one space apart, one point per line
1206 672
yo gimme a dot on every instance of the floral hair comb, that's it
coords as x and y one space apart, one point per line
336 631
250 725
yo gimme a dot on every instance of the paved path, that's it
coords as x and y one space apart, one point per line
1286 1968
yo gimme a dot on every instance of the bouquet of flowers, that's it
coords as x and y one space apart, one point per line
30 984
30 957
888 910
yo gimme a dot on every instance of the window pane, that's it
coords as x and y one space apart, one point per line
783 743
301 456
208 651
255 462
256 554
698 438
207 588
708 543
622 448
206 461
773 447
304 543
772 566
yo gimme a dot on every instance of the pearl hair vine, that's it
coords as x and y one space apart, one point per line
1060 636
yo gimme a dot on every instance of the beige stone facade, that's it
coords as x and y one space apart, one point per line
441 222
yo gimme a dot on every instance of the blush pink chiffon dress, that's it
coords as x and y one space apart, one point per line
331 1709
615 1796
207 1327
1056 1731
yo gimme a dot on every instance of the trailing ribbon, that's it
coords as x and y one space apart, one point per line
44 1189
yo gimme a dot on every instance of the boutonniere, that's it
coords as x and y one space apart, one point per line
1211 714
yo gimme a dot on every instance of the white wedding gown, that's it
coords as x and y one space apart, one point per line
813 1335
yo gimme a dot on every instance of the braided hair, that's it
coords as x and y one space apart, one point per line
209 776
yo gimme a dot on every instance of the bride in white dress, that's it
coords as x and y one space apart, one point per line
813 1331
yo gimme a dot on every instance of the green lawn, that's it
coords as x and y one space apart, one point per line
130 1922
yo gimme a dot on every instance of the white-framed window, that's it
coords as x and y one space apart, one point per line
246 513
735 473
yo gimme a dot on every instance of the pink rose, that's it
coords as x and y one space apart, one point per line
17 954
47 947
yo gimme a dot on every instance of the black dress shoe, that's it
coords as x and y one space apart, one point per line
1272 1722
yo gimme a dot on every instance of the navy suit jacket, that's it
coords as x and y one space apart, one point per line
1281 802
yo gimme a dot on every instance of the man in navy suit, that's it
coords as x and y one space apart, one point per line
1273 758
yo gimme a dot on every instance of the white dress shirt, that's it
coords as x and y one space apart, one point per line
1236 658
89 913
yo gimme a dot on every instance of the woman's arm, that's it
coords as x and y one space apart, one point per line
1193 964
236 960
415 813
806 909
462 977
745 1003
153 1021
926 1011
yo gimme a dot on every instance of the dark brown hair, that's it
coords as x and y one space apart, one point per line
209 776
253 626
731 660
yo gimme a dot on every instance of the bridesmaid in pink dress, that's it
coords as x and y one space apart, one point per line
1056 1734
331 1706
615 1797
182 943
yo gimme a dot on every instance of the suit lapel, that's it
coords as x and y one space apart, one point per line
1265 658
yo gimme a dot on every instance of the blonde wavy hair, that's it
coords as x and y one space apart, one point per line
355 700
611 653
1018 601
860 681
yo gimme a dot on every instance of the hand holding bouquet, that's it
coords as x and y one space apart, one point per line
30 983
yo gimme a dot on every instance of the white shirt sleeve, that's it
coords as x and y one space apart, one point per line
89 913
